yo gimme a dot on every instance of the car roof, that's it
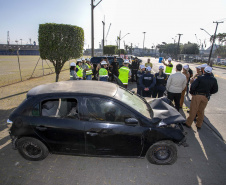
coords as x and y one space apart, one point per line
75 86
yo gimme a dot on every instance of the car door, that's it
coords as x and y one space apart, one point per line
106 131
57 122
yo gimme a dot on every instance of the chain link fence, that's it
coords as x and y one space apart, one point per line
14 69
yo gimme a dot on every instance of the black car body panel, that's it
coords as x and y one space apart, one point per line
85 137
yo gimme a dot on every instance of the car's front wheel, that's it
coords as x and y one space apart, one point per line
32 149
162 153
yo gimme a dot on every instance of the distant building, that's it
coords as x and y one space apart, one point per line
6 49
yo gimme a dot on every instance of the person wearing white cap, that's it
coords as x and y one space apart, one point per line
147 83
201 89
203 67
175 85
198 73
103 73
89 71
139 74
79 70
84 67
160 86
73 74
169 66
124 73
187 74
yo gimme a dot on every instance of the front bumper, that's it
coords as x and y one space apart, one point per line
14 140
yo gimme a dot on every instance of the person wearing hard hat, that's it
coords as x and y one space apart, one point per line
147 83
203 67
186 73
201 89
160 86
84 67
124 73
103 73
73 74
169 66
89 71
139 74
198 73
79 69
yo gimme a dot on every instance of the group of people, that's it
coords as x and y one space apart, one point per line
176 85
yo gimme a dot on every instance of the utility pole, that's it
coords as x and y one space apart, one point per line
8 38
178 47
214 37
143 41
92 27
120 38
103 34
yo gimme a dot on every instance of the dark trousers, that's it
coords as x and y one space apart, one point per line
134 75
114 73
158 91
147 93
139 90
176 98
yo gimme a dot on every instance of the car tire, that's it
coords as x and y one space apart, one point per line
32 149
162 153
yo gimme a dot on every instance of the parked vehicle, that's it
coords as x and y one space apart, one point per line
93 118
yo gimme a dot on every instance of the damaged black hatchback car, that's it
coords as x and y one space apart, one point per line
94 118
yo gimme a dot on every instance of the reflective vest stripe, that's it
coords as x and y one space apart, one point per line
79 72
168 70
89 72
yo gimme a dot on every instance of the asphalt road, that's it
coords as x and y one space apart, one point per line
203 162
215 112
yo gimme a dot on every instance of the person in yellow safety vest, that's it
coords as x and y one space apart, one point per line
103 73
79 69
125 73
89 71
73 74
169 66
148 63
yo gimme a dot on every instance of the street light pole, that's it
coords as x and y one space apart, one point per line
103 34
92 26
214 37
143 40
119 38
178 47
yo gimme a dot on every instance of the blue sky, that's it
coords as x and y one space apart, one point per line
161 19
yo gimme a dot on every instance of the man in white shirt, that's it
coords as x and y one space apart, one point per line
175 85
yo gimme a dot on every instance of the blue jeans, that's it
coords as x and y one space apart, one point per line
88 77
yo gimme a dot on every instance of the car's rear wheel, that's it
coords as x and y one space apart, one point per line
162 153
32 149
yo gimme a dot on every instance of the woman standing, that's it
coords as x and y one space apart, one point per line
73 74
187 74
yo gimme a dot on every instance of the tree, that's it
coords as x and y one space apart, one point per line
110 50
59 43
190 48
122 51
169 49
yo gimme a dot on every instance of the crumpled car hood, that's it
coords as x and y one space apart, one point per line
164 111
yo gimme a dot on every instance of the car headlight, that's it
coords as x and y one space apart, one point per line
161 123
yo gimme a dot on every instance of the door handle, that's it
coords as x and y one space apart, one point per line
92 133
41 128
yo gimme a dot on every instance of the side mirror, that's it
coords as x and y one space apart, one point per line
131 121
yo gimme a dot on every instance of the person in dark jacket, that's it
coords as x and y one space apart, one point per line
147 83
134 67
114 68
191 75
139 74
201 89
160 86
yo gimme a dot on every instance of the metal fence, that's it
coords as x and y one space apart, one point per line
14 69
